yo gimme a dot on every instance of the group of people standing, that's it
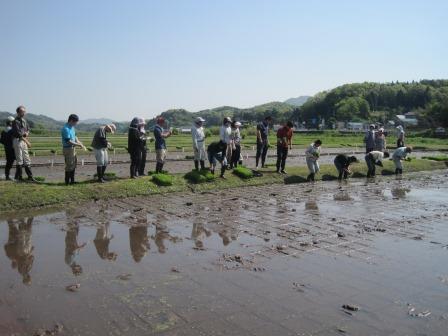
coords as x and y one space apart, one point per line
226 151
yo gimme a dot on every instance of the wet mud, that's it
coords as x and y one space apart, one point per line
357 258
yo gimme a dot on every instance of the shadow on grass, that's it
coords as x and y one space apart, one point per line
358 175
294 179
387 172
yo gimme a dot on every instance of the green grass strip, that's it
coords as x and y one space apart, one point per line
14 196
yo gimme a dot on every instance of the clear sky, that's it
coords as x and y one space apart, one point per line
120 59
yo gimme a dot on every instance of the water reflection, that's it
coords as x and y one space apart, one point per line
19 248
311 204
342 195
101 242
198 234
139 241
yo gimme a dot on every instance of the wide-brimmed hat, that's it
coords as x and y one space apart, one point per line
237 123
10 119
112 128
199 120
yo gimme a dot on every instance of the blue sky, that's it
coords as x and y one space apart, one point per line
120 59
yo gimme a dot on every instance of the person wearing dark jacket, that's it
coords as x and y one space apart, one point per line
21 143
100 146
342 163
6 140
135 145
215 152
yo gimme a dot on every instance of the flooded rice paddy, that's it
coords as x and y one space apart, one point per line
355 258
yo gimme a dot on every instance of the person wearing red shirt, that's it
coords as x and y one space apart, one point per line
284 142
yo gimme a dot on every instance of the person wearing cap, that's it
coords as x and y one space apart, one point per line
144 151
262 141
216 153
235 141
369 139
198 136
224 134
69 143
160 144
399 155
21 143
312 156
100 146
284 142
400 136
342 163
373 159
380 140
135 145
6 139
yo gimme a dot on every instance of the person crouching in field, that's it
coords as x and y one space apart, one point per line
6 140
69 143
399 155
342 163
373 159
284 142
135 145
235 140
21 143
160 145
312 156
198 136
216 152
100 146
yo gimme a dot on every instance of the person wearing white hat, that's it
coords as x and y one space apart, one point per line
198 136
6 139
235 141
100 146
224 134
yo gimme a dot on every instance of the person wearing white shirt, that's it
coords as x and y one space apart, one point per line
198 135
373 159
225 134
312 156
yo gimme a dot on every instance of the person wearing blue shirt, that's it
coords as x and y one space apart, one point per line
69 143
160 145
399 155
262 141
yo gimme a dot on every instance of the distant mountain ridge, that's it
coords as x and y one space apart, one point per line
299 101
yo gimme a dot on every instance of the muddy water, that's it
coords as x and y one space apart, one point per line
276 260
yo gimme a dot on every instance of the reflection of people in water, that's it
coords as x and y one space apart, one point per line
139 241
19 248
160 237
199 233
102 240
72 249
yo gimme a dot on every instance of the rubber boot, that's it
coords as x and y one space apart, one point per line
7 170
397 171
103 171
400 171
99 174
158 168
19 173
72 177
161 168
196 164
223 170
67 178
202 164
132 172
29 173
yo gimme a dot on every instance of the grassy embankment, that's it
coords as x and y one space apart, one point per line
15 196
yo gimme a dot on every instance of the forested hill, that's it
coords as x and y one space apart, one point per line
379 102
181 117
